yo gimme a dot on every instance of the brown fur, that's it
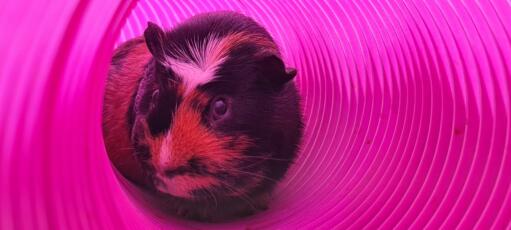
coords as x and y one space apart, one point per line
121 84
234 40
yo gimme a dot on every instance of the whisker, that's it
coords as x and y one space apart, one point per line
263 158
241 195
212 196
252 165
254 174
260 160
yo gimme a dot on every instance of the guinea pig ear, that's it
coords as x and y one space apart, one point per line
154 39
273 71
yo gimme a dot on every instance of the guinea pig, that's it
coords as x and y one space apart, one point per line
205 115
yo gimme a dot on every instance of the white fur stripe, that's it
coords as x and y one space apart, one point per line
201 68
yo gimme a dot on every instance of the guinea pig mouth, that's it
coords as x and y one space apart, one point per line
184 185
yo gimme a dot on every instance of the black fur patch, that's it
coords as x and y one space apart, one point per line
157 98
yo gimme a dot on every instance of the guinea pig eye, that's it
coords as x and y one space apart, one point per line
219 108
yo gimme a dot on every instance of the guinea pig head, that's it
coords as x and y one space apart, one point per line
216 112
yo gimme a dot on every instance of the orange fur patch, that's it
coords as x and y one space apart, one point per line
189 138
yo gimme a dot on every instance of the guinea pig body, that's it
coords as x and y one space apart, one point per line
206 115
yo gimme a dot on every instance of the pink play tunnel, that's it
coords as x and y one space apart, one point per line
407 110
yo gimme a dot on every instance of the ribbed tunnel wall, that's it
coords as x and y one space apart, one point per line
407 109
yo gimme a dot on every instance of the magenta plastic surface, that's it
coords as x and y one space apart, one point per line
407 107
